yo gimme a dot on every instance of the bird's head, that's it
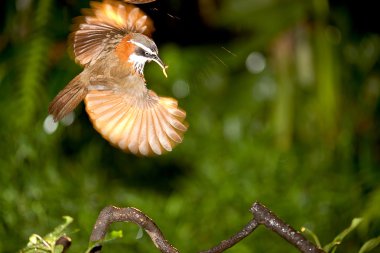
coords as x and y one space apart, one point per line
138 49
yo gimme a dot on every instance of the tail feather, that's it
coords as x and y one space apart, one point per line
145 125
67 99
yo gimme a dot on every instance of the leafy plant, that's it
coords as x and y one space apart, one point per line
47 243
334 244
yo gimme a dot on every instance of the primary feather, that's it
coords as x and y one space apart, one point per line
104 26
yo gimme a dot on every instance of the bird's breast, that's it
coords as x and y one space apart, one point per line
113 73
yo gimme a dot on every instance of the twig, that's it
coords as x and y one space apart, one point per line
262 216
113 214
226 244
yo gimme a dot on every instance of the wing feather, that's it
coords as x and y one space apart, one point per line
144 148
165 142
126 131
103 26
133 144
152 136
143 125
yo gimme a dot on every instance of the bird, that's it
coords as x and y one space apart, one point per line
113 41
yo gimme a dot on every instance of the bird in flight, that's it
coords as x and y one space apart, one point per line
112 41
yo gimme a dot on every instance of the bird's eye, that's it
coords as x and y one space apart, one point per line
147 54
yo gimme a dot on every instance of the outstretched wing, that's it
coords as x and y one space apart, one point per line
103 26
145 124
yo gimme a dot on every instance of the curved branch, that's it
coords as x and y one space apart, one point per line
261 216
112 214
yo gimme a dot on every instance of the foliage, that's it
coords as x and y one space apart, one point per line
283 104
47 244
332 246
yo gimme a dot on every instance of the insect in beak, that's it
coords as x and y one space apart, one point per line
161 64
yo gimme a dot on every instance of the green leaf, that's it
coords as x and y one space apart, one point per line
312 234
58 249
331 247
140 233
47 243
370 245
38 244
113 235
59 230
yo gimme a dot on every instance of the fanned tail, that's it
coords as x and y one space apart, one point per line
68 99
149 125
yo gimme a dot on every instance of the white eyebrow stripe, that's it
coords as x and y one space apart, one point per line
147 49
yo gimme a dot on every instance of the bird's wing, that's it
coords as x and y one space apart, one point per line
143 123
103 26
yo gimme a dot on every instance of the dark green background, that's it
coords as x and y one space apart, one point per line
301 135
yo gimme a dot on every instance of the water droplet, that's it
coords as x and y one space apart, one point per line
140 233
181 89
255 62
232 128
264 89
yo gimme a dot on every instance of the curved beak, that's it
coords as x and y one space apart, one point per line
162 65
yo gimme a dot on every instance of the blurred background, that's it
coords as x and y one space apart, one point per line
283 103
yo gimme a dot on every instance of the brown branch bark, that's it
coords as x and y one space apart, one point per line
113 214
261 216
226 244
265 217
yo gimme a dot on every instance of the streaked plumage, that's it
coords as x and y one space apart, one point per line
111 42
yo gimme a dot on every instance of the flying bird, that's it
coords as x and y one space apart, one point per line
112 41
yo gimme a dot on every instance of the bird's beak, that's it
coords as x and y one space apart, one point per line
162 65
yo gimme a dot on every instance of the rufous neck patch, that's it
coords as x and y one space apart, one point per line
124 49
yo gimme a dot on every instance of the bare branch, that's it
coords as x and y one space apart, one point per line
113 214
264 216
226 244
261 216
